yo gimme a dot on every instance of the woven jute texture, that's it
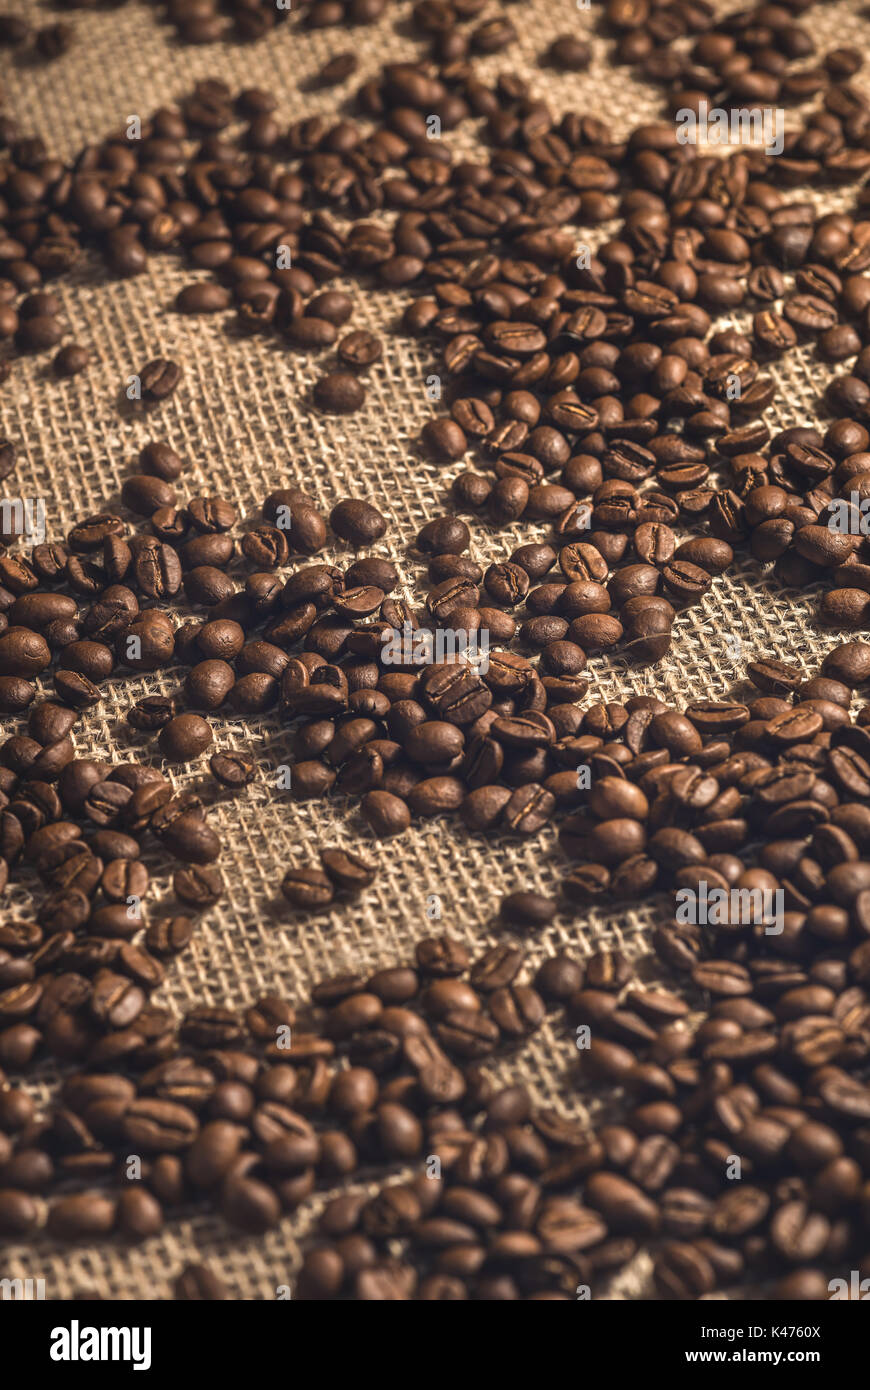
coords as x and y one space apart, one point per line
242 420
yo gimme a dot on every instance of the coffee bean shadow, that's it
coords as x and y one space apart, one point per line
29 59
236 331
345 105
135 409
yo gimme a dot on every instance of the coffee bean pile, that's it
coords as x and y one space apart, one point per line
758 1054
600 397
766 1068
745 55
574 378
255 1129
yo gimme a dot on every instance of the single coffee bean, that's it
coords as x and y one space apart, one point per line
71 360
307 889
159 378
357 522
232 770
525 909
338 393
185 737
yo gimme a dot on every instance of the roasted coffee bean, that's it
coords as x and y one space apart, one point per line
185 737
596 398
161 460
83 1216
349 872
23 653
338 393
307 888
232 770
71 360
208 684
357 522
167 936
159 1126
197 1283
159 378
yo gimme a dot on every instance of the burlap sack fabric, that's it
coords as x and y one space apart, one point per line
242 420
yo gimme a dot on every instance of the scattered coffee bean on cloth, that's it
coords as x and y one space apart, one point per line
435 651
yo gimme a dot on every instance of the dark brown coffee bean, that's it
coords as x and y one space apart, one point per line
357 522
196 885
159 1126
203 297
307 888
349 872
23 653
232 770
197 1283
85 1215
208 684
71 360
338 393
159 378
160 460
185 737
